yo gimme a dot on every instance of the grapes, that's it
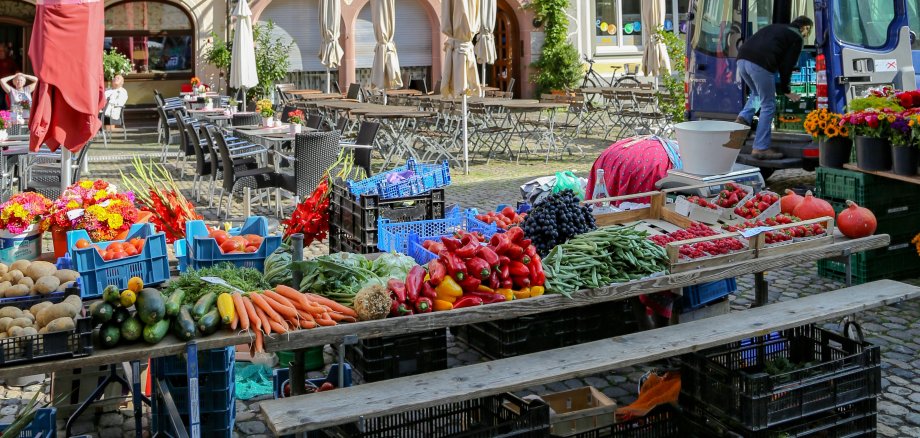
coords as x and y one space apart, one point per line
556 219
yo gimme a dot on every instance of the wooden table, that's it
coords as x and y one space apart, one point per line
404 92
319 96
304 92
908 179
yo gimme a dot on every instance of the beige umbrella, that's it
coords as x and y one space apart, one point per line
460 21
385 73
330 52
485 45
655 54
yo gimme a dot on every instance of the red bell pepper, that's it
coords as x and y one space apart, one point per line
398 288
469 283
414 283
455 267
478 268
436 272
529 251
489 297
394 305
424 305
514 252
450 244
537 276
518 269
467 301
469 248
514 234
428 291
507 284
494 282
524 243
489 256
522 281
436 247
500 243
504 272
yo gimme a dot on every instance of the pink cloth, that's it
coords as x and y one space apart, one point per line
631 168
66 54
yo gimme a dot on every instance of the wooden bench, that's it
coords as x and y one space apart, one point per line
321 410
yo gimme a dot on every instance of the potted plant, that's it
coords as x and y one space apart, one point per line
559 67
233 104
872 130
905 141
218 54
113 64
6 121
834 143
264 108
195 82
23 219
296 120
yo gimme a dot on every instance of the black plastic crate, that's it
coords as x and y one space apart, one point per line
662 422
397 356
858 419
341 242
530 334
896 261
731 381
60 345
355 218
500 415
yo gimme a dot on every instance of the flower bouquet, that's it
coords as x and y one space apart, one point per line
296 120
23 219
195 82
264 108
834 144
94 206
158 194
311 217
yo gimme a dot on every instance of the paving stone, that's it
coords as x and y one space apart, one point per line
915 397
252 427
615 392
897 399
887 431
897 380
9 410
892 409
556 387
899 390
9 419
574 383
113 419
912 418
244 416
82 427
597 382
910 431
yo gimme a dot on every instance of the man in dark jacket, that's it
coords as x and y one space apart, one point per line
773 49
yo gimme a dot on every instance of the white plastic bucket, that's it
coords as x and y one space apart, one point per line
709 147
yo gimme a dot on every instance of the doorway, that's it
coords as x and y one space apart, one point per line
14 37
508 48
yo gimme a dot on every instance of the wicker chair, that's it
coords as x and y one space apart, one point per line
244 119
314 152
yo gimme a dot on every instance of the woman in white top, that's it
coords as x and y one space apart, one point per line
116 97
19 89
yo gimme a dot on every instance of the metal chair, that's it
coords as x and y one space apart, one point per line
41 172
314 122
233 179
314 153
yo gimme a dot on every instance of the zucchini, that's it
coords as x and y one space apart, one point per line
109 335
150 305
132 328
209 322
155 332
120 315
111 295
184 325
204 305
101 311
225 308
174 302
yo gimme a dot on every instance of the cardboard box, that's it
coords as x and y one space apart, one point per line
579 410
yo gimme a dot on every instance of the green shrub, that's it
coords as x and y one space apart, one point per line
558 67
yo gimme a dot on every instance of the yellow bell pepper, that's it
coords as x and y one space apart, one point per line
536 291
508 293
486 289
523 293
440 305
449 288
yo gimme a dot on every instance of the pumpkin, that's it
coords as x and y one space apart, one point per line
855 221
790 201
812 208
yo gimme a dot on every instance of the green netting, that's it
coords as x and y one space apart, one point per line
252 380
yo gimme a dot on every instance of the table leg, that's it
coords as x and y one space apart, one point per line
761 293
138 398
247 202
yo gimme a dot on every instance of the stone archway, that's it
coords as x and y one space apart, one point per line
16 19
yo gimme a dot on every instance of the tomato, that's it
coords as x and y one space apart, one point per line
220 237
253 239
251 249
82 243
130 250
106 255
119 255
138 244
115 246
228 246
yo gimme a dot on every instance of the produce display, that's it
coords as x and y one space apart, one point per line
23 278
755 206
228 244
505 219
341 276
790 201
700 249
114 250
812 207
135 314
855 221
41 318
602 257
556 219
730 195
702 202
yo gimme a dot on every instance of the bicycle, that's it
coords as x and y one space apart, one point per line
593 80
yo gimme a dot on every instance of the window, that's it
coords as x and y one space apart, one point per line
862 23
618 23
157 37
680 18
913 19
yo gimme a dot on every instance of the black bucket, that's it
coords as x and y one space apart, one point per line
834 152
873 153
905 160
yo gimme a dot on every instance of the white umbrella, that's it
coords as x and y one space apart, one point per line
243 59
655 54
485 45
385 73
330 53
460 21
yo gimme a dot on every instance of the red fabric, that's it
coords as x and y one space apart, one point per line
66 54
631 169
186 88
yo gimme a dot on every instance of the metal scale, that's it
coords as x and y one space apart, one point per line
740 173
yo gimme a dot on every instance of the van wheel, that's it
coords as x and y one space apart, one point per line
766 172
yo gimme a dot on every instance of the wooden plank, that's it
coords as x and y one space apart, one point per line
907 179
321 410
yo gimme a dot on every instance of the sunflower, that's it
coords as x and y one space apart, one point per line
844 131
831 131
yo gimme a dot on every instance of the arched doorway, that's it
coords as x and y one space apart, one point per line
508 48
16 19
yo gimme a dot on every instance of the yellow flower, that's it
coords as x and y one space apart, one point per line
844 131
73 204
100 194
831 131
86 184
115 221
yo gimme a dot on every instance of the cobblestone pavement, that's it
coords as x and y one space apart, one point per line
896 329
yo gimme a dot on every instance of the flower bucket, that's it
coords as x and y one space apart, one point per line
268 122
4 135
59 241
295 128
25 246
904 160
834 152
873 153
142 218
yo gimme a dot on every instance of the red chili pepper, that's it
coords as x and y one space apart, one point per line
455 267
424 305
489 297
514 252
537 276
507 284
518 269
489 256
468 249
478 268
522 281
524 243
436 247
436 271
394 305
504 272
525 259
469 283
500 243
494 282
414 283
514 234
467 301
428 290
450 244
405 310
398 288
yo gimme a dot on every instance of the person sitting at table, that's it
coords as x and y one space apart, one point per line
116 98
18 88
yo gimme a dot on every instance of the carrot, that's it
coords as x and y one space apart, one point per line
253 316
287 312
262 304
257 344
241 310
277 327
308 324
338 317
235 320
266 322
326 321
291 294
332 304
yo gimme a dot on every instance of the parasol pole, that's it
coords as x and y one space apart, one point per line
66 171
466 155
328 81
482 90
244 99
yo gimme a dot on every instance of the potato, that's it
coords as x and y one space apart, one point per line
20 290
5 323
14 276
67 275
28 281
55 311
60 325
38 307
14 331
3 335
20 265
46 284
20 322
29 331
64 286
4 269
10 311
40 269
28 314
76 302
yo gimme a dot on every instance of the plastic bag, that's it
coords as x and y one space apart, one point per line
568 181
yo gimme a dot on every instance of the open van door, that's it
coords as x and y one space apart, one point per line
867 45
713 39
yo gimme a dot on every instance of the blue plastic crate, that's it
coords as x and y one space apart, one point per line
702 294
426 178
202 251
218 360
151 265
213 424
394 236
43 425
281 376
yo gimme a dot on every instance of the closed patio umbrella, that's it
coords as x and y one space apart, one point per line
330 52
485 45
654 54
243 58
385 74
460 21
70 86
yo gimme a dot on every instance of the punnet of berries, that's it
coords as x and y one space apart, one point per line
730 195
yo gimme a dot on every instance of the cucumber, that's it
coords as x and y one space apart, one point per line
132 328
109 335
101 311
120 315
204 305
154 333
209 323
150 305
184 325
111 295
174 302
